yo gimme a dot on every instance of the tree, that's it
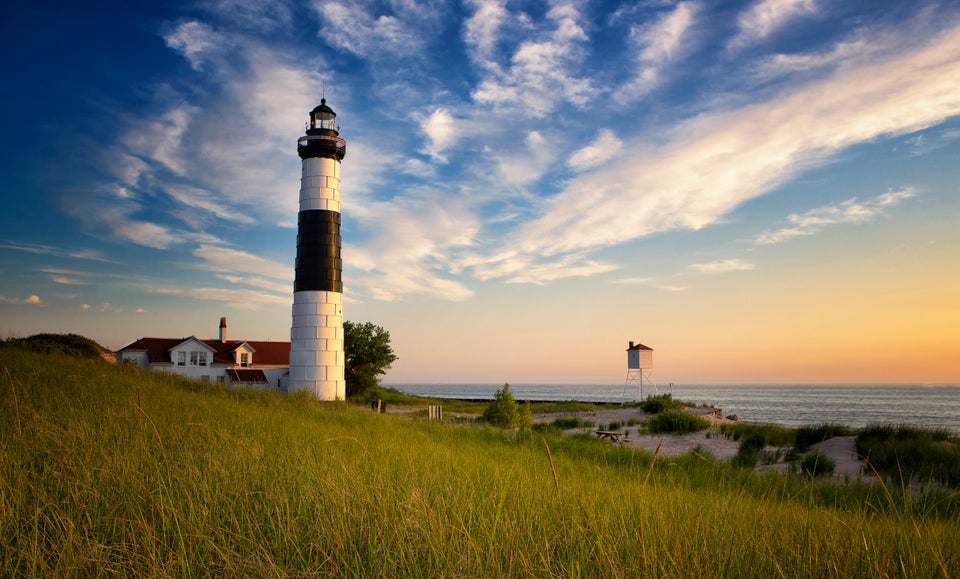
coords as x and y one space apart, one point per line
505 412
368 355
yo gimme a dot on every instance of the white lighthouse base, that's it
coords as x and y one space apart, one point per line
317 359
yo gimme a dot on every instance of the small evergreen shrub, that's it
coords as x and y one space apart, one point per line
676 422
660 403
816 464
506 413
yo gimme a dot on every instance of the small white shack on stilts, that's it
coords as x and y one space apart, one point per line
639 369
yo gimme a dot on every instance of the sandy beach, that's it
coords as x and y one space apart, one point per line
841 449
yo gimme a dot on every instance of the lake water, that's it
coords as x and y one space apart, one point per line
936 406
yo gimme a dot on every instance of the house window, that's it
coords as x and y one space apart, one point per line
181 358
244 360
203 358
193 358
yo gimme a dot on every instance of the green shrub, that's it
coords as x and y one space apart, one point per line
816 464
807 436
660 403
568 423
676 422
505 412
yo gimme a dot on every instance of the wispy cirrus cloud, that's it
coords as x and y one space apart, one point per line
723 266
481 29
657 44
224 259
415 247
718 160
851 211
33 300
768 16
602 149
241 299
196 41
41 249
366 30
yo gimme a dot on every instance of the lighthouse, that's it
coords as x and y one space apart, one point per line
316 335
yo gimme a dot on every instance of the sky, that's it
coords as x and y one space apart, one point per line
761 191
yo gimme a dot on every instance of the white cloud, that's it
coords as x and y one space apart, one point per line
224 259
368 32
781 64
482 27
540 74
415 245
634 280
40 249
33 300
440 129
160 138
850 211
526 165
723 266
605 147
657 44
196 41
236 298
767 16
197 198
259 282
718 160
68 276
264 16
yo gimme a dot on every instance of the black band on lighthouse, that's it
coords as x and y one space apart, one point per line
319 266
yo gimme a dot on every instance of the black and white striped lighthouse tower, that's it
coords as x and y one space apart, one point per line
316 336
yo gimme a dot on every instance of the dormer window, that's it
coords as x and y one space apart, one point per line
244 360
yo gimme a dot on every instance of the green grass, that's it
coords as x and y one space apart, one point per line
769 434
107 470
817 464
904 453
807 436
676 422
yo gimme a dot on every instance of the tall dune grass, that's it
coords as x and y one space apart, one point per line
110 470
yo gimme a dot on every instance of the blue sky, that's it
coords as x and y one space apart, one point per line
761 191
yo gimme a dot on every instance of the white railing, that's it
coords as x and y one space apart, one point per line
337 141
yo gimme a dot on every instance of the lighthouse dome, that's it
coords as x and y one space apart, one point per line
322 110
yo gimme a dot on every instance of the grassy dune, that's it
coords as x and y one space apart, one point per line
108 470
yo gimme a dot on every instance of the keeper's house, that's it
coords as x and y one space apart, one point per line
248 362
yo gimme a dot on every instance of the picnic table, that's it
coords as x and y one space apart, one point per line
612 435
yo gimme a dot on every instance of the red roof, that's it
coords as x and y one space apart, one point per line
638 347
254 376
265 353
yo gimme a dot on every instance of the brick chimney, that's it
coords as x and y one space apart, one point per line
223 322
223 330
